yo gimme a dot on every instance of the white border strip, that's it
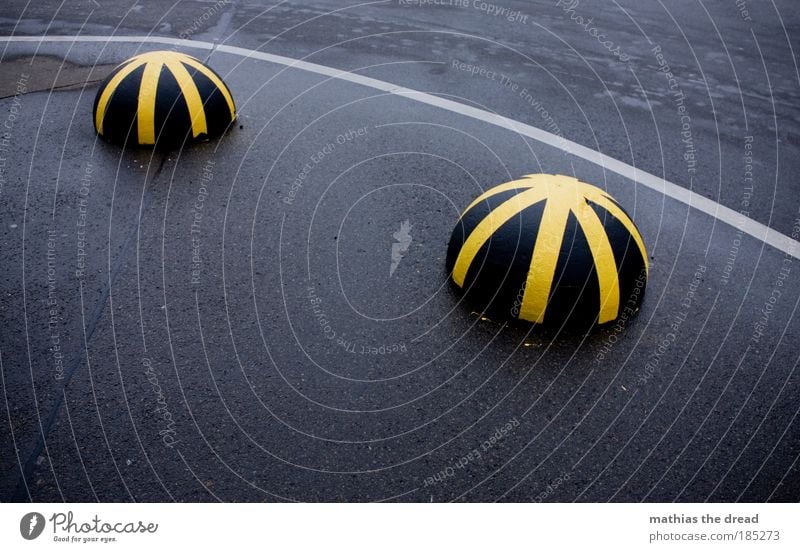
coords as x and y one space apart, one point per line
725 214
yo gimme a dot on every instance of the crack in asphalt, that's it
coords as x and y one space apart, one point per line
22 491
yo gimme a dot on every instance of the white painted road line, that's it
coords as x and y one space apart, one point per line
727 215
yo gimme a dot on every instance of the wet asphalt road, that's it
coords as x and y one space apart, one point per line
161 312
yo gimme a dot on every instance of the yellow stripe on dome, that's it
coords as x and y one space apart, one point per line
146 112
620 215
191 95
604 262
546 252
216 80
488 226
108 91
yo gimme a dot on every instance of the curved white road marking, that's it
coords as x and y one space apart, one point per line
727 215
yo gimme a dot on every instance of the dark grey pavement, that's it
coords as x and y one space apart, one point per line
220 323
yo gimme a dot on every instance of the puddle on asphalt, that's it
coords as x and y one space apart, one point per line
44 73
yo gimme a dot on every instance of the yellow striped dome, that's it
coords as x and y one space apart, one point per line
549 249
162 98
